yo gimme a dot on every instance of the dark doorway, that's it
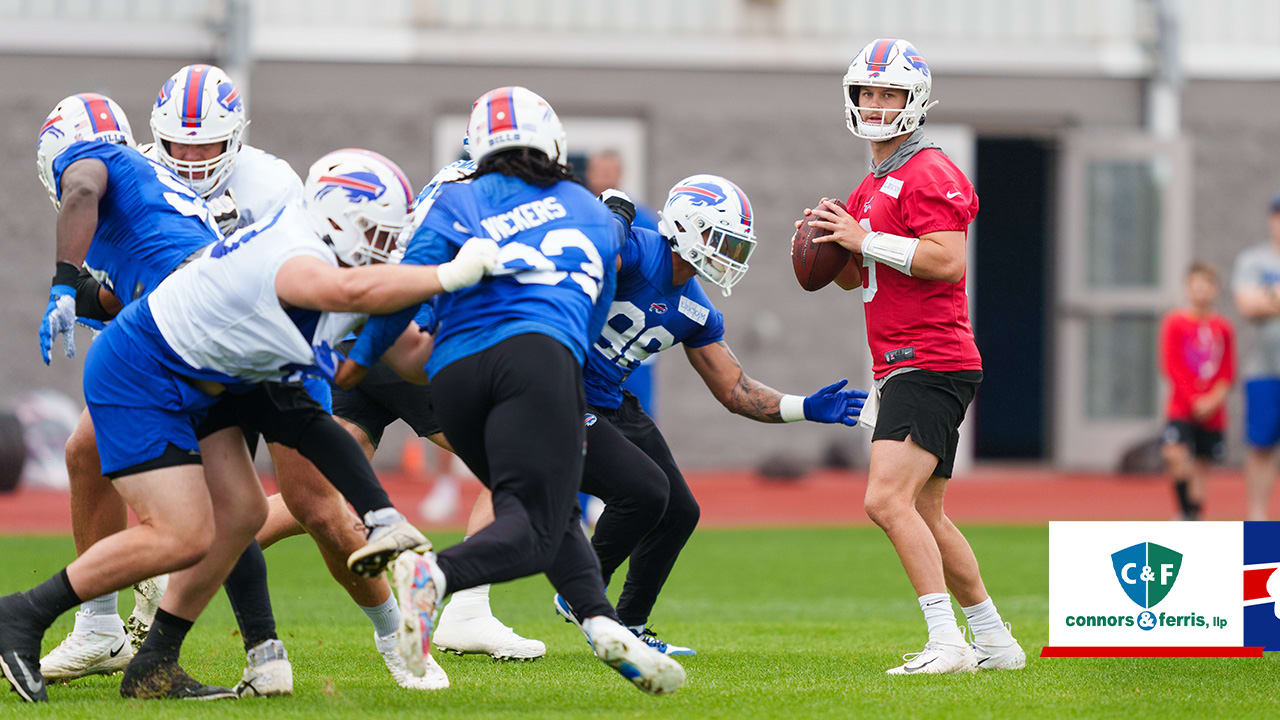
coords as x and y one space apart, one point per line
1011 296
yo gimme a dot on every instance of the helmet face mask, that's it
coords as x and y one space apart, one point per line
888 63
83 116
708 221
358 202
199 105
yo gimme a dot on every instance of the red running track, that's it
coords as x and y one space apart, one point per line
989 494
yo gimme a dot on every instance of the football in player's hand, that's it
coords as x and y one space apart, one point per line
815 264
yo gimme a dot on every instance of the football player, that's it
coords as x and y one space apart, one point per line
708 231
506 371
905 226
242 314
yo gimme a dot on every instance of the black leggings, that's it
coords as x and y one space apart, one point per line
513 413
649 510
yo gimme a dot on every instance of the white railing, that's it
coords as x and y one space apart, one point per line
1225 38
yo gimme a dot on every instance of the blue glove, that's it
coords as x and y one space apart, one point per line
59 318
831 404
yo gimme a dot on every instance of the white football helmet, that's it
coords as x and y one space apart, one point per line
708 221
198 105
890 63
358 202
512 117
83 116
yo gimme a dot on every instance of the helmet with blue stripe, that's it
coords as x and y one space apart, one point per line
888 63
514 117
199 105
358 203
83 116
709 222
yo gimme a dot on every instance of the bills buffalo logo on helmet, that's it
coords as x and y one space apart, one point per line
700 193
50 126
913 58
359 186
229 97
658 307
166 92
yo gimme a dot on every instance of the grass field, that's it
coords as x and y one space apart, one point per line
788 623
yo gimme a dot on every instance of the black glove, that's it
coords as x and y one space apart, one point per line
620 204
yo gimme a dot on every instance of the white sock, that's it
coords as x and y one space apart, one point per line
984 621
470 603
941 619
104 605
385 617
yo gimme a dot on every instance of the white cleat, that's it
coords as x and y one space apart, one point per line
999 651
89 650
267 671
146 601
484 635
433 679
419 586
620 649
936 659
386 542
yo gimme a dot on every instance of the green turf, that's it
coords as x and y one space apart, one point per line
788 623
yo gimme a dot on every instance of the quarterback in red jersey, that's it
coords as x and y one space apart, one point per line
906 225
1197 356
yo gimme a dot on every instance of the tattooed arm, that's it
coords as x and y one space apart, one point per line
736 390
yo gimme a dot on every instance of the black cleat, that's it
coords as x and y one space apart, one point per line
168 681
20 649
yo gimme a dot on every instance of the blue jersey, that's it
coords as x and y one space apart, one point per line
148 220
557 252
649 314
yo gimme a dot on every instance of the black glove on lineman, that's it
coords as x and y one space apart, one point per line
620 204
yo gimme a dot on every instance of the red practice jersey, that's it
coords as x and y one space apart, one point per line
1196 354
913 322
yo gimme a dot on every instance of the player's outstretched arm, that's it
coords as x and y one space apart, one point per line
83 182
743 395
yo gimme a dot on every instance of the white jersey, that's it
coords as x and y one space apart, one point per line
220 313
259 185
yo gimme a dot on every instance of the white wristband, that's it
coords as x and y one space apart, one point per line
791 408
892 250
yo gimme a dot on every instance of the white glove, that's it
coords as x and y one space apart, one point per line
476 258
225 213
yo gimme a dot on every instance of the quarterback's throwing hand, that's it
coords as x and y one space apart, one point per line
831 215
833 404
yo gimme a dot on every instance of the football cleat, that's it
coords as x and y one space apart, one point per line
620 649
563 610
938 658
484 635
168 681
419 586
433 679
999 651
386 542
267 671
89 650
20 650
146 600
651 639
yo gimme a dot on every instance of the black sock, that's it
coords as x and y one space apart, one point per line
246 588
1182 489
52 597
339 458
1193 510
164 641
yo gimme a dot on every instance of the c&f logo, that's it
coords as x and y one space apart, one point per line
1146 572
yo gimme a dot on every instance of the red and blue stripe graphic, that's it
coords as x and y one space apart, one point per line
193 97
404 181
502 111
880 55
101 118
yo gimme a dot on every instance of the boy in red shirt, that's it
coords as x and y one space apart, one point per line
1197 357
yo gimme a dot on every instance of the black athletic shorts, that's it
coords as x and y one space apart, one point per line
382 398
278 411
172 456
1203 443
928 406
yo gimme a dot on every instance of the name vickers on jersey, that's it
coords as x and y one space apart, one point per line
523 217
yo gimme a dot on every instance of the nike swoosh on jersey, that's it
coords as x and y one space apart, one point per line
953 194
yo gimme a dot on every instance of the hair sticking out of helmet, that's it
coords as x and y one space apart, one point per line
199 106
83 116
888 63
514 117
358 202
709 222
